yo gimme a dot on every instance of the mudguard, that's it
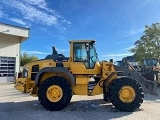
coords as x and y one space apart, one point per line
54 69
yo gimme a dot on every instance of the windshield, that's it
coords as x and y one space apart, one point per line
151 62
80 52
86 53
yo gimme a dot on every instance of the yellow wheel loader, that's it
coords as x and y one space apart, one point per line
57 78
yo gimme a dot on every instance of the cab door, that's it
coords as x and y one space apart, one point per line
80 62
85 59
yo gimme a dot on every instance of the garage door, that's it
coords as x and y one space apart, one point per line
7 69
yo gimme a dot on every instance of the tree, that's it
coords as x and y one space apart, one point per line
25 58
148 46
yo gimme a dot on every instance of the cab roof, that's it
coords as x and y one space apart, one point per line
81 41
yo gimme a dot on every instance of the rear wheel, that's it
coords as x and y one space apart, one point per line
55 93
126 94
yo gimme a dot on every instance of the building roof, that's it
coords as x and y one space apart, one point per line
13 30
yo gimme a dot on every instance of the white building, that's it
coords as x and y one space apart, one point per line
10 42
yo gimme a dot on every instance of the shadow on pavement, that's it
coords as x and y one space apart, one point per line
83 108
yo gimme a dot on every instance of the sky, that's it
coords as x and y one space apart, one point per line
114 24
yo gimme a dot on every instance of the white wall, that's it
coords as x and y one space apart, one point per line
14 30
10 47
10 38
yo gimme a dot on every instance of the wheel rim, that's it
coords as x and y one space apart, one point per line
127 94
54 93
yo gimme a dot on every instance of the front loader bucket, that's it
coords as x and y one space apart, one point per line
148 86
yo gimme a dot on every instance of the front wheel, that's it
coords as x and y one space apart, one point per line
126 94
55 93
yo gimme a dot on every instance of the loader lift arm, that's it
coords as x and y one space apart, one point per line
149 87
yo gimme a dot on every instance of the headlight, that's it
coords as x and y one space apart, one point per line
25 74
25 71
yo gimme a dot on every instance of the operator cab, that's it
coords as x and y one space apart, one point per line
85 51
150 62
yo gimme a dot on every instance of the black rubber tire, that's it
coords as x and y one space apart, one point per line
63 102
116 86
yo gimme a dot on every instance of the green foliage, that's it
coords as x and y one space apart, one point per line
148 46
25 58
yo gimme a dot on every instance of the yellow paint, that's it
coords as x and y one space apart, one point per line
96 70
24 85
20 84
127 94
107 69
97 90
54 93
20 87
81 87
82 80
78 68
